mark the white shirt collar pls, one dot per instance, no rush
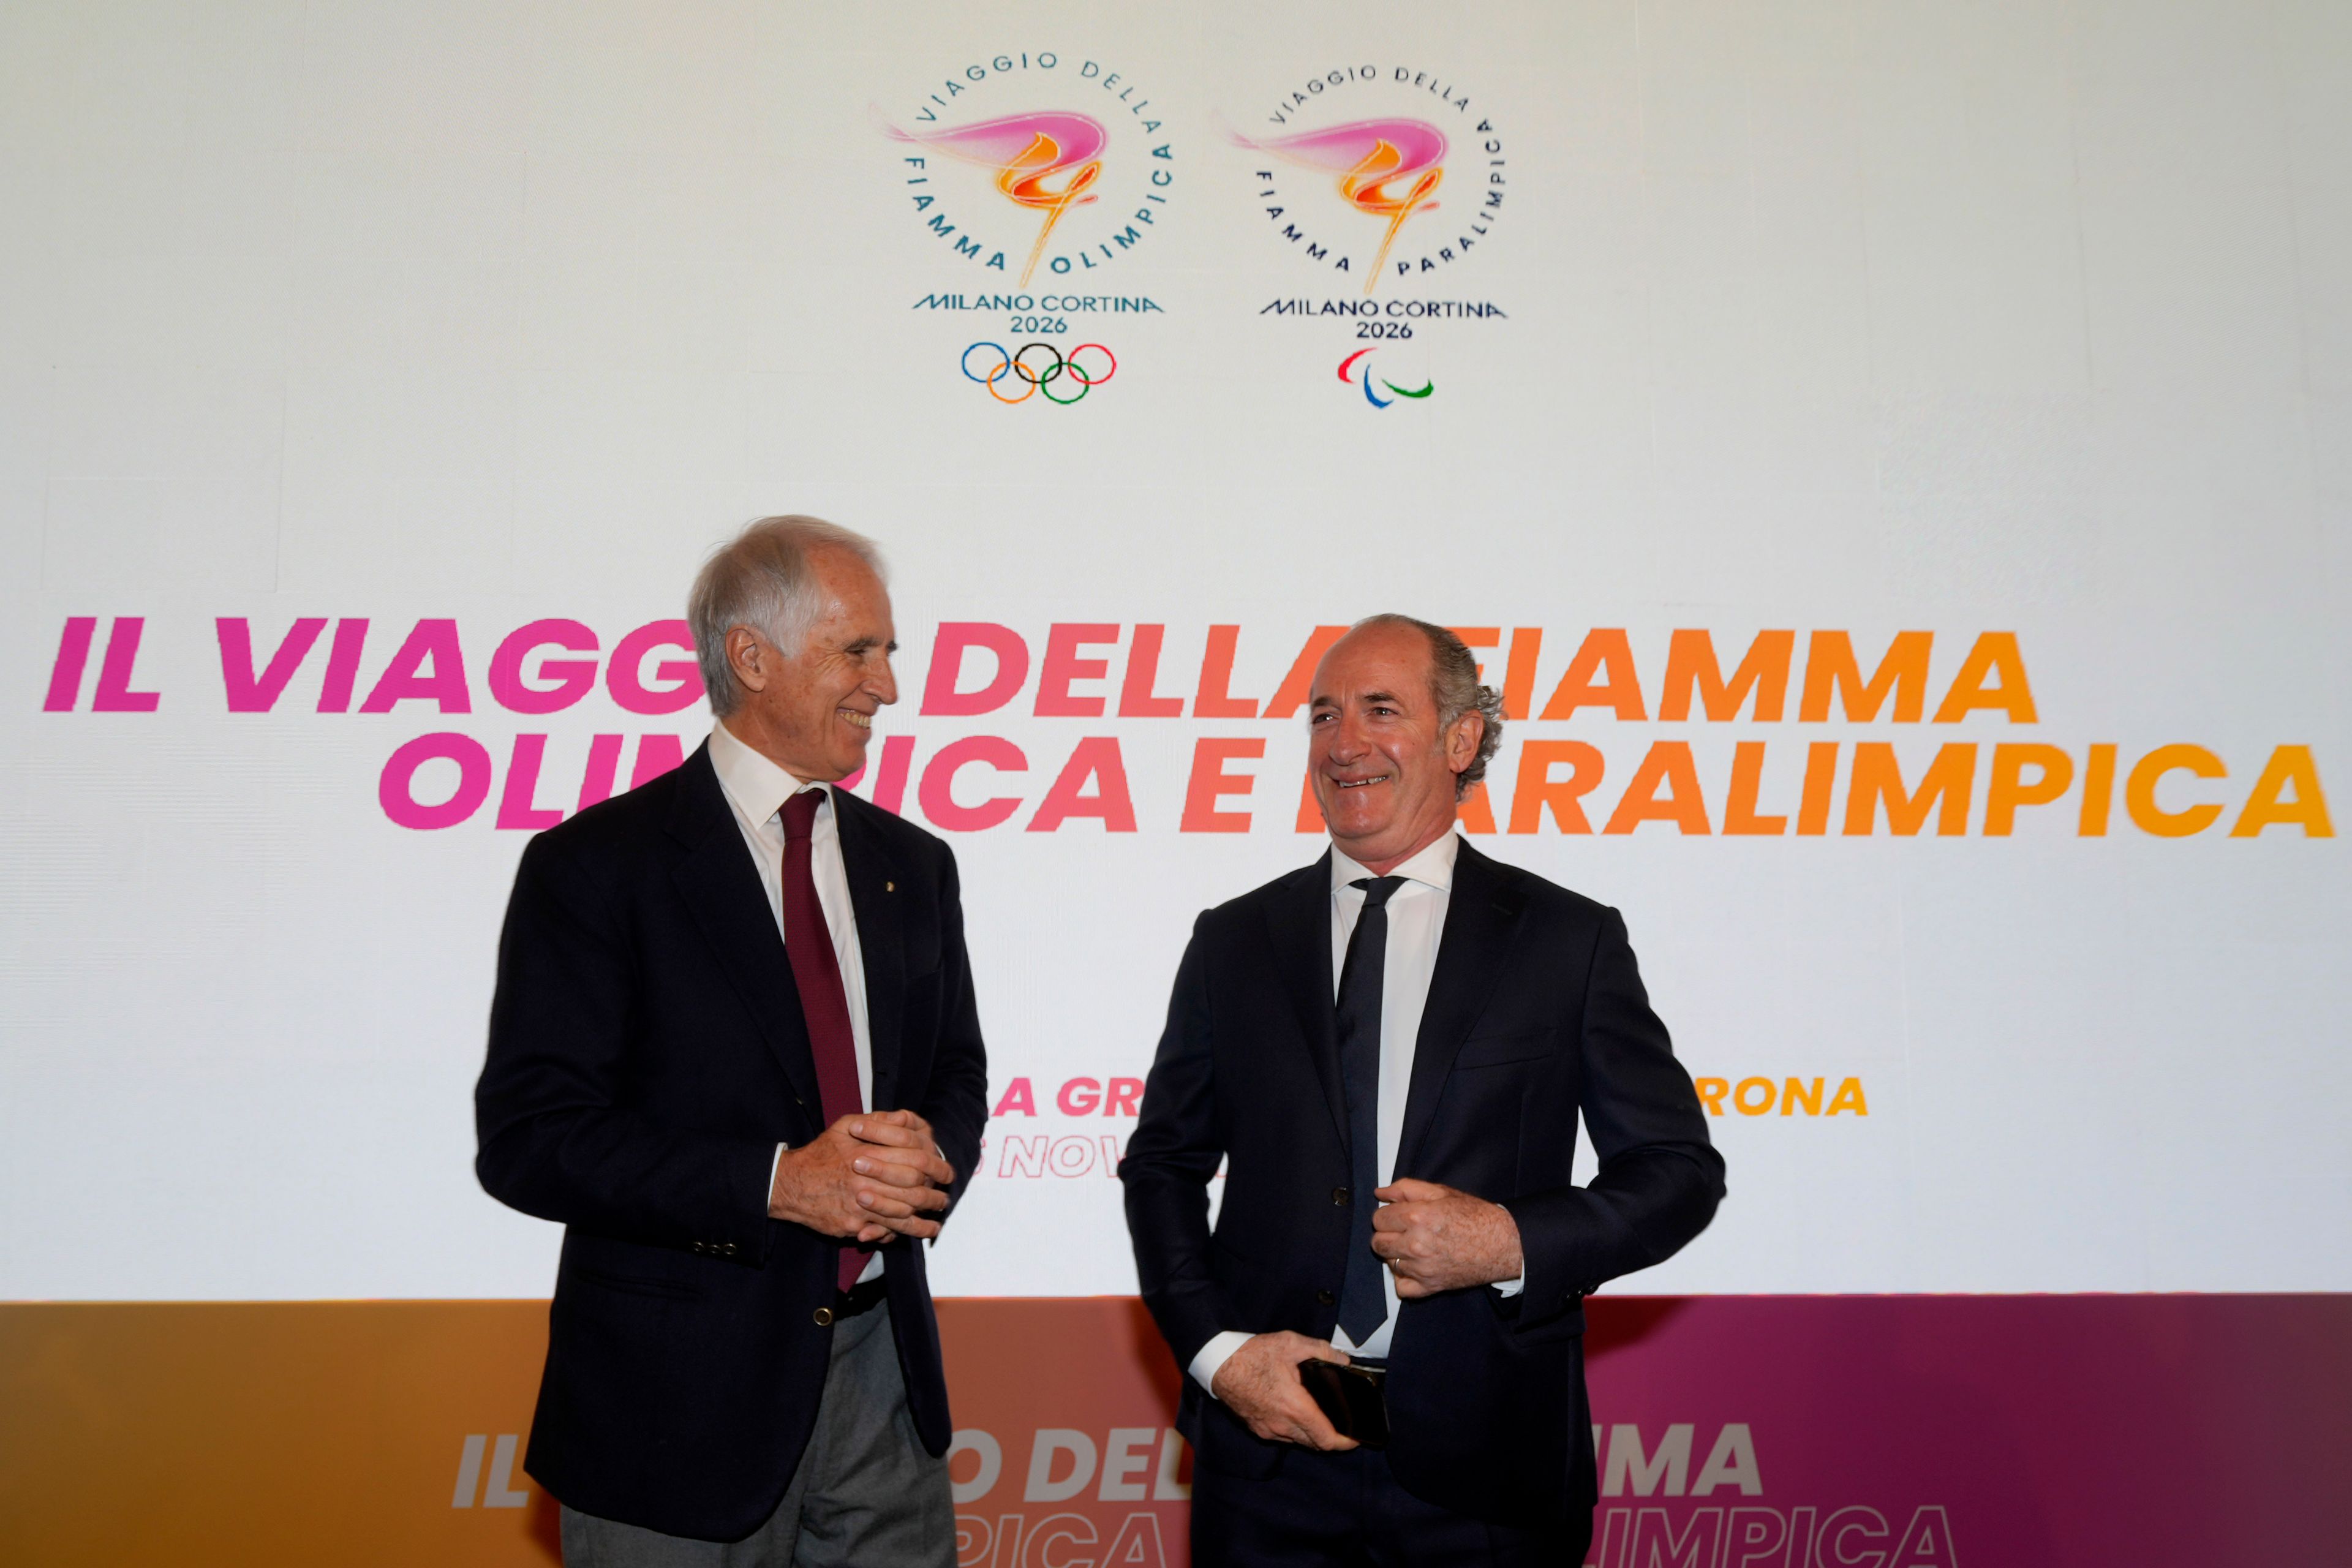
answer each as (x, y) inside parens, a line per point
(754, 785)
(1432, 866)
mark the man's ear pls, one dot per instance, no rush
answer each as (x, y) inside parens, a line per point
(748, 656)
(1462, 740)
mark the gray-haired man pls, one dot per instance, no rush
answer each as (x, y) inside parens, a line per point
(734, 1051)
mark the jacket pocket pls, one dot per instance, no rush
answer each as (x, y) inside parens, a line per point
(637, 1285)
(1502, 1051)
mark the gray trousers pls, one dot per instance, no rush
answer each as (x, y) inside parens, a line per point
(866, 1493)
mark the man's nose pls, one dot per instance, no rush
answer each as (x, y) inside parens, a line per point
(884, 686)
(1347, 740)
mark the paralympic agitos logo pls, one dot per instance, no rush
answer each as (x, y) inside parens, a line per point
(1035, 163)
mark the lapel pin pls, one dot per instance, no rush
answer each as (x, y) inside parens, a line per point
(889, 887)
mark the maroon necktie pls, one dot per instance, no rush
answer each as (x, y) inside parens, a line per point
(808, 942)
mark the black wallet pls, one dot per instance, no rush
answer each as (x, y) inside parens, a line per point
(1354, 1399)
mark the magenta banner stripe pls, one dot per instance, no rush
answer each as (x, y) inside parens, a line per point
(1986, 1430)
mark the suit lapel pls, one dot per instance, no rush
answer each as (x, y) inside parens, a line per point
(1299, 922)
(713, 873)
(1482, 918)
(881, 944)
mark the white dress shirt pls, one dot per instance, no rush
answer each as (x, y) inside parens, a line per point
(756, 791)
(1416, 924)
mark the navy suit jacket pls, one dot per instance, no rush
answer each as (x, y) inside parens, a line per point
(1535, 1013)
(646, 1054)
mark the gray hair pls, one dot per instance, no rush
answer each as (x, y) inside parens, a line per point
(763, 578)
(1454, 686)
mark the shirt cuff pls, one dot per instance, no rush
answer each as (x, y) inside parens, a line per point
(1215, 1354)
(772, 1166)
(1512, 1286)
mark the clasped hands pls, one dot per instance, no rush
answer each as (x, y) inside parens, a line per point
(867, 1178)
(1433, 1238)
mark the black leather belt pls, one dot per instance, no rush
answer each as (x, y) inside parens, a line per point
(862, 1296)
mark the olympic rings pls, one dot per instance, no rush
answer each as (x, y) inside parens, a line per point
(1040, 377)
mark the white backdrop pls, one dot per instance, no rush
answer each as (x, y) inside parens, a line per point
(1868, 318)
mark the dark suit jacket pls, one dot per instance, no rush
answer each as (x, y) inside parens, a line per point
(1535, 1012)
(646, 1054)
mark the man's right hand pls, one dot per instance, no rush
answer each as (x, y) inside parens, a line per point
(1259, 1383)
(865, 1178)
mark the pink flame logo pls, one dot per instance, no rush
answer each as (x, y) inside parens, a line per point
(1025, 152)
(1371, 158)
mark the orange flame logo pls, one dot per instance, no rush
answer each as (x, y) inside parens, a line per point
(1027, 152)
(1372, 157)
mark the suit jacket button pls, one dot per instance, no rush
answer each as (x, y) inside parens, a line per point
(824, 1317)
(1324, 1298)
(1340, 1196)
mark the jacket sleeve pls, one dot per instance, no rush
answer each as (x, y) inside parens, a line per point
(1660, 1178)
(1178, 1143)
(553, 1139)
(955, 1101)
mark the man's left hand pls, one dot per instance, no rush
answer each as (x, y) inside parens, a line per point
(900, 1157)
(1437, 1238)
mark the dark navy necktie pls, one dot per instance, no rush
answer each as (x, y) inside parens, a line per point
(1363, 1300)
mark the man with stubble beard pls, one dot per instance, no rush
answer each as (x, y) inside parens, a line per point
(1388, 1051)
